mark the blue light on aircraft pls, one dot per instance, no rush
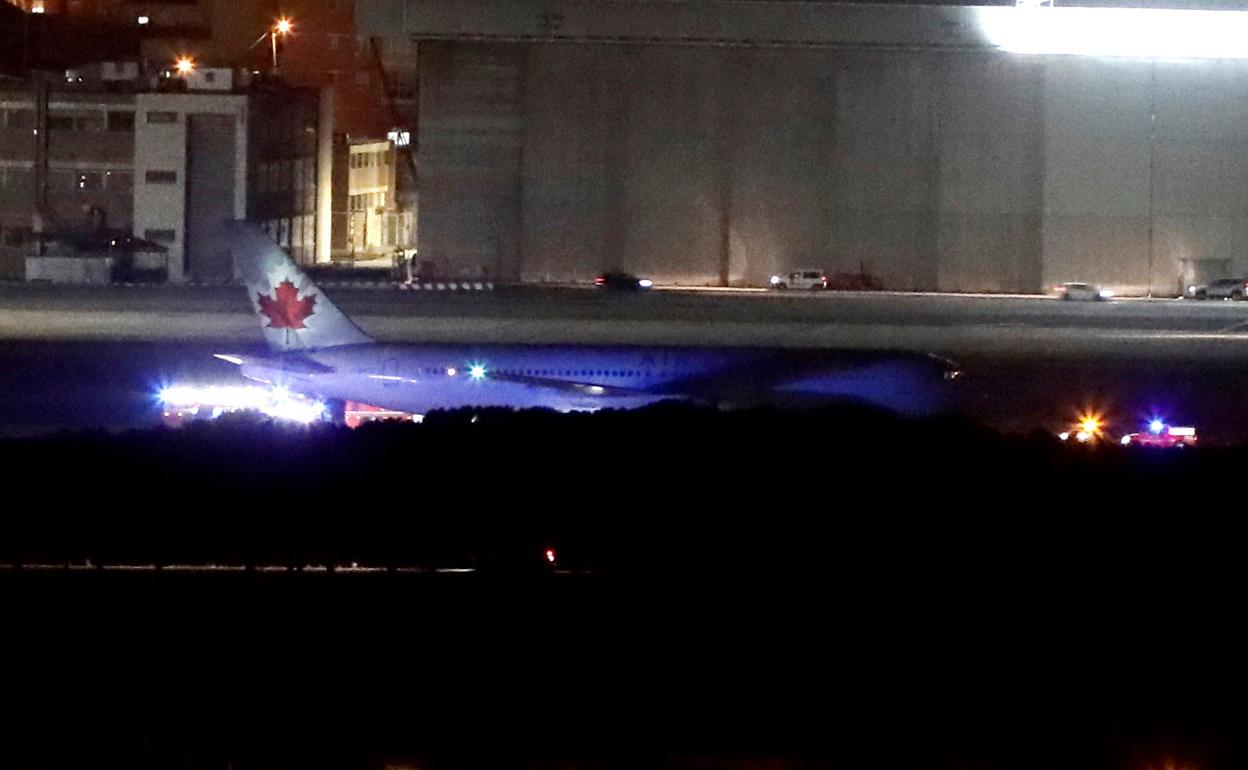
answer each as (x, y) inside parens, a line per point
(476, 372)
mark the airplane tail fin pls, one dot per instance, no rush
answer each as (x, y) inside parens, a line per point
(294, 314)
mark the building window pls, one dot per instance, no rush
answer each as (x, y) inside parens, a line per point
(93, 121)
(160, 236)
(161, 177)
(21, 119)
(120, 121)
(162, 117)
(60, 122)
(119, 182)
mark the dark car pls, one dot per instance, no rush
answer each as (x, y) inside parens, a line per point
(1223, 288)
(859, 281)
(622, 282)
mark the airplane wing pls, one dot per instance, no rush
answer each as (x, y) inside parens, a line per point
(295, 364)
(580, 388)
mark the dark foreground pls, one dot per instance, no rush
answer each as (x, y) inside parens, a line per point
(841, 590)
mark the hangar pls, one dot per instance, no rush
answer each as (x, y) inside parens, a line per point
(950, 148)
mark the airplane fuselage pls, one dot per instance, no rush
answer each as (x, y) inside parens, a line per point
(421, 378)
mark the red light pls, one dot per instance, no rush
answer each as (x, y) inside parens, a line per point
(550, 555)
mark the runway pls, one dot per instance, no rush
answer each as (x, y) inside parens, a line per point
(84, 357)
(957, 325)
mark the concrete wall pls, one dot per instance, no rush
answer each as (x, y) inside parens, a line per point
(967, 170)
(211, 183)
(162, 146)
(471, 132)
(668, 160)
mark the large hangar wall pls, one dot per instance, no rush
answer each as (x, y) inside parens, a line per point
(967, 170)
(1147, 172)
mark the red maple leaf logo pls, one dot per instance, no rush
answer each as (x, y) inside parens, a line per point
(285, 310)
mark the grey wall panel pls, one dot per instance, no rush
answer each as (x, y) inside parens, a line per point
(898, 247)
(1201, 178)
(885, 209)
(1096, 175)
(989, 252)
(1096, 97)
(1202, 100)
(1109, 250)
(574, 170)
(1178, 239)
(1098, 180)
(209, 194)
(991, 171)
(470, 156)
(782, 161)
(935, 170)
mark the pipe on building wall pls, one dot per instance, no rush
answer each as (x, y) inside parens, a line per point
(40, 87)
(325, 175)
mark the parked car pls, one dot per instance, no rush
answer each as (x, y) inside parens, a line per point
(1223, 288)
(1084, 292)
(853, 282)
(806, 278)
(622, 282)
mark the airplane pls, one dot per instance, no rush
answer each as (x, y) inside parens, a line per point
(317, 351)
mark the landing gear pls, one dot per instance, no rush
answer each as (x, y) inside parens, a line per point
(336, 411)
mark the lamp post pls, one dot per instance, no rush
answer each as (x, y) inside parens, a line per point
(283, 28)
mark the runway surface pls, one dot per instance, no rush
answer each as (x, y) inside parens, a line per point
(81, 357)
(951, 324)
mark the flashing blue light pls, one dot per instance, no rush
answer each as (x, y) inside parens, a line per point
(1156, 426)
(476, 372)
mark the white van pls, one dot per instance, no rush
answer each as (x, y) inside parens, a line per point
(801, 279)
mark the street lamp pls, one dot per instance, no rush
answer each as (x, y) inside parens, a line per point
(283, 28)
